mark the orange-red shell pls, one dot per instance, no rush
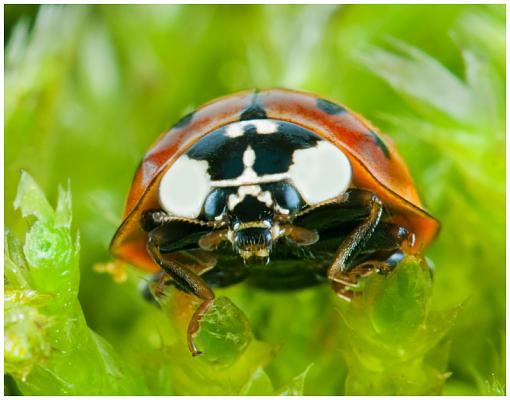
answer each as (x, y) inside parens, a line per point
(388, 177)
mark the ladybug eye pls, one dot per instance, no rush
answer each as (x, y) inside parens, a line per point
(286, 196)
(184, 187)
(215, 203)
(320, 173)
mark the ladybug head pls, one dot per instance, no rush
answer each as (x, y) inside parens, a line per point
(250, 230)
(248, 214)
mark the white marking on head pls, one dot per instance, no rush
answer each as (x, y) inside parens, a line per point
(243, 191)
(266, 198)
(281, 210)
(184, 187)
(249, 157)
(262, 127)
(320, 173)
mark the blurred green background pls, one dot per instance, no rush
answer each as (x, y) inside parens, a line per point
(89, 88)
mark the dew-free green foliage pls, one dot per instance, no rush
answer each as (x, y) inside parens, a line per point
(48, 347)
(395, 343)
(89, 88)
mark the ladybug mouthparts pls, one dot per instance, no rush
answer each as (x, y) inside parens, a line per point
(253, 243)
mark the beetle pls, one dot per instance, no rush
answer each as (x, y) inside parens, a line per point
(281, 188)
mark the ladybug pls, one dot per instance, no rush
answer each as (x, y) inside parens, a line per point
(281, 188)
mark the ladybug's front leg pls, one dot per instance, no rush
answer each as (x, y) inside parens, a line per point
(190, 281)
(342, 273)
(186, 278)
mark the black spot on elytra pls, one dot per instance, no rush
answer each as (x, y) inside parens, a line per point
(381, 144)
(254, 110)
(184, 121)
(329, 107)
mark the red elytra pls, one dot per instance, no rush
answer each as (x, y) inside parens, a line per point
(385, 175)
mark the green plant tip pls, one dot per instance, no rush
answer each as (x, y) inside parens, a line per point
(224, 333)
(48, 251)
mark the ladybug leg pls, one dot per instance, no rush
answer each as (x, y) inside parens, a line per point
(163, 279)
(343, 291)
(211, 241)
(151, 293)
(346, 282)
(300, 236)
(381, 263)
(341, 267)
(189, 280)
(154, 218)
(368, 245)
(194, 324)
